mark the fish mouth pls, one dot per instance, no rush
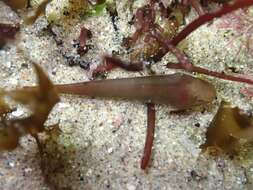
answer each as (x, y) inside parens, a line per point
(203, 92)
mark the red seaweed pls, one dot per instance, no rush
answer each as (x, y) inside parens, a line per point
(149, 137)
(145, 18)
(111, 63)
(211, 73)
(201, 20)
(185, 64)
(84, 35)
(239, 4)
(8, 31)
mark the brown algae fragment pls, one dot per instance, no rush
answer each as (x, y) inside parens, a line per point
(37, 12)
(227, 128)
(17, 4)
(40, 101)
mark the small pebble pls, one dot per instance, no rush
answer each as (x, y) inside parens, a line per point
(18, 113)
(110, 150)
(11, 164)
(131, 187)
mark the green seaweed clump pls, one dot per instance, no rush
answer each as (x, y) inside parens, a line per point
(96, 9)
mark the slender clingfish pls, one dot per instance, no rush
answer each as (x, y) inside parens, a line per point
(178, 90)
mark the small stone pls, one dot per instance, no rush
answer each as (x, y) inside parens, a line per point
(27, 170)
(110, 150)
(131, 187)
(8, 64)
(63, 105)
(18, 113)
(89, 172)
(11, 164)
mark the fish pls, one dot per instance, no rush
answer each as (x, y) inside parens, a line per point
(181, 91)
